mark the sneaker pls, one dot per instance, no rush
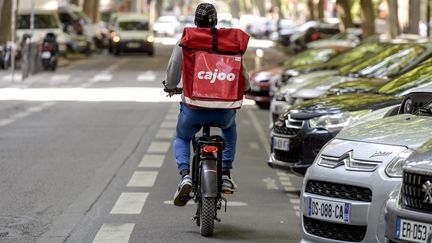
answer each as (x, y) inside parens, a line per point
(181, 196)
(228, 185)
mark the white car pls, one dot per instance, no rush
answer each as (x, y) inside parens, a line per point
(132, 33)
(345, 190)
(45, 21)
(166, 25)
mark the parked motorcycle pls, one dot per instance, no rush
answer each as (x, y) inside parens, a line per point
(49, 52)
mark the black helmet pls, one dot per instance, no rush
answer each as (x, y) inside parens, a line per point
(205, 15)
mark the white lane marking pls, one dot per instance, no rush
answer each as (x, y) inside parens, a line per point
(102, 77)
(16, 77)
(165, 134)
(286, 183)
(114, 233)
(284, 178)
(5, 122)
(172, 116)
(270, 183)
(294, 201)
(229, 203)
(290, 189)
(60, 78)
(20, 115)
(261, 134)
(298, 214)
(152, 161)
(159, 147)
(290, 195)
(83, 93)
(143, 179)
(148, 76)
(296, 207)
(254, 146)
(169, 124)
(130, 203)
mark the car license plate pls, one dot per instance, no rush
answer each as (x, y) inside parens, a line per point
(329, 210)
(281, 143)
(46, 54)
(412, 230)
(133, 45)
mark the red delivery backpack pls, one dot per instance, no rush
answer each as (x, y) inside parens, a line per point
(212, 67)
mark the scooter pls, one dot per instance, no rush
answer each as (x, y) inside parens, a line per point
(49, 52)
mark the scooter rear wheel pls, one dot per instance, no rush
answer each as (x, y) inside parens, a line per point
(207, 217)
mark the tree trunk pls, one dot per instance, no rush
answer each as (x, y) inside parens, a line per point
(311, 10)
(96, 12)
(320, 9)
(5, 24)
(344, 11)
(88, 8)
(367, 16)
(412, 25)
(76, 2)
(235, 7)
(260, 5)
(393, 27)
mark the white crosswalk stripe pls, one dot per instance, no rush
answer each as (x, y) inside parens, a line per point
(102, 77)
(143, 179)
(148, 76)
(114, 233)
(130, 203)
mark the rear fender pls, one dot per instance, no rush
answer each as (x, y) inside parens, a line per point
(209, 178)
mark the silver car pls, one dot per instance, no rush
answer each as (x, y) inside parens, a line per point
(409, 208)
(345, 190)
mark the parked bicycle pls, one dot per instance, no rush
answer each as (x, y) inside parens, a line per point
(206, 176)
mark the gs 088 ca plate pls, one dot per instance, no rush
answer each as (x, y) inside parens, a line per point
(329, 210)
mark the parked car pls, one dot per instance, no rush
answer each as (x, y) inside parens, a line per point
(350, 38)
(132, 34)
(73, 18)
(166, 25)
(345, 190)
(260, 83)
(390, 63)
(409, 207)
(300, 133)
(45, 21)
(311, 31)
(316, 28)
(297, 77)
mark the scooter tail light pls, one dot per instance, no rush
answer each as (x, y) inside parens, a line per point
(210, 149)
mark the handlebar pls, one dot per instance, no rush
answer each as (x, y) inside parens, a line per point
(171, 92)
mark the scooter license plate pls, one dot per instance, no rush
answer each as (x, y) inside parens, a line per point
(46, 54)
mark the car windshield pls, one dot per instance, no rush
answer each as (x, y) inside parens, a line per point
(355, 54)
(309, 57)
(418, 76)
(384, 59)
(41, 21)
(134, 25)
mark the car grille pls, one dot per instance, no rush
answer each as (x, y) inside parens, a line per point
(334, 231)
(341, 191)
(287, 156)
(286, 130)
(416, 191)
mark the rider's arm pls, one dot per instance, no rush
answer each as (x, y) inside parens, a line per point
(174, 69)
(245, 74)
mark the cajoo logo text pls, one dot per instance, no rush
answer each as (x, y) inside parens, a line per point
(216, 75)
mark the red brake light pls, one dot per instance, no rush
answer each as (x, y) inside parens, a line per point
(210, 149)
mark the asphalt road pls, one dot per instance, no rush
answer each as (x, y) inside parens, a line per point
(86, 156)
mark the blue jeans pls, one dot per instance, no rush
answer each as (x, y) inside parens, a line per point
(190, 122)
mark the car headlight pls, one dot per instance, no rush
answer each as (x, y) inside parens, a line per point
(150, 38)
(116, 39)
(394, 168)
(331, 123)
